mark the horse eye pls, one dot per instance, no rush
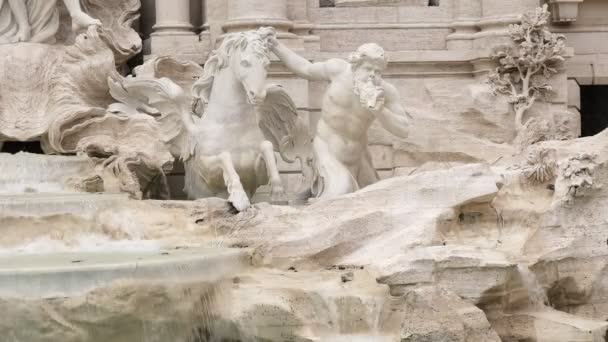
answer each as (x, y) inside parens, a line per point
(245, 63)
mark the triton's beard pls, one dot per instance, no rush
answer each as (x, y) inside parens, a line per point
(368, 93)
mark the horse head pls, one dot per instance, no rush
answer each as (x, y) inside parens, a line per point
(250, 62)
(246, 56)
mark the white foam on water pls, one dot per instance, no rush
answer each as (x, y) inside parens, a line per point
(38, 204)
(82, 243)
(39, 167)
(27, 188)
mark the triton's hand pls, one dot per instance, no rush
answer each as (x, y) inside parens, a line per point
(378, 110)
(379, 107)
(374, 101)
(273, 42)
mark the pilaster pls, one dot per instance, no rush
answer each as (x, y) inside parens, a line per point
(252, 14)
(173, 33)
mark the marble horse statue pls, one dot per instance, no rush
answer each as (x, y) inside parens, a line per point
(228, 134)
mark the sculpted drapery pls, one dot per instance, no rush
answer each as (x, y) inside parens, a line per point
(37, 21)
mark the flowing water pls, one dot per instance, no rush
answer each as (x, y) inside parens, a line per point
(35, 173)
(537, 297)
(47, 204)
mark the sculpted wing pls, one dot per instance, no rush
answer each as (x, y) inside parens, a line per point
(162, 99)
(279, 121)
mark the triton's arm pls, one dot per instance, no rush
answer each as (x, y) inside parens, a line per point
(320, 71)
(392, 116)
(73, 6)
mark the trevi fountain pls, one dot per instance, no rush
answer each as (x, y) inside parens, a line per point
(303, 170)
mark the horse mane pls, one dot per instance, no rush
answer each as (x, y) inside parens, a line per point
(220, 58)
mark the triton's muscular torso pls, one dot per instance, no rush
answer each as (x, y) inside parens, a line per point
(344, 121)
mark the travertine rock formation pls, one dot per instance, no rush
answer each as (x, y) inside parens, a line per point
(486, 251)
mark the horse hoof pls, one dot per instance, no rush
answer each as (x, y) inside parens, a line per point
(240, 201)
(278, 197)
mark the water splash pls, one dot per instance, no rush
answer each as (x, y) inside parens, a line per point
(89, 243)
(37, 205)
(30, 187)
(537, 298)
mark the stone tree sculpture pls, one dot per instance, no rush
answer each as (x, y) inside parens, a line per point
(525, 68)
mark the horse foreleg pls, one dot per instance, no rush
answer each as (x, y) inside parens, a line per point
(277, 192)
(236, 194)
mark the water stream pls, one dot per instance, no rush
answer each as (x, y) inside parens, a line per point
(35, 173)
(537, 297)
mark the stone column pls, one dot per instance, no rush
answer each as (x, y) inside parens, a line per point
(495, 18)
(497, 15)
(205, 26)
(173, 18)
(466, 15)
(174, 33)
(205, 33)
(297, 11)
(252, 14)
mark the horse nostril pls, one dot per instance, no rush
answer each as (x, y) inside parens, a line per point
(251, 93)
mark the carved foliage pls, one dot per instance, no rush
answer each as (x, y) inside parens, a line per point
(525, 68)
(576, 175)
(540, 165)
(534, 131)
